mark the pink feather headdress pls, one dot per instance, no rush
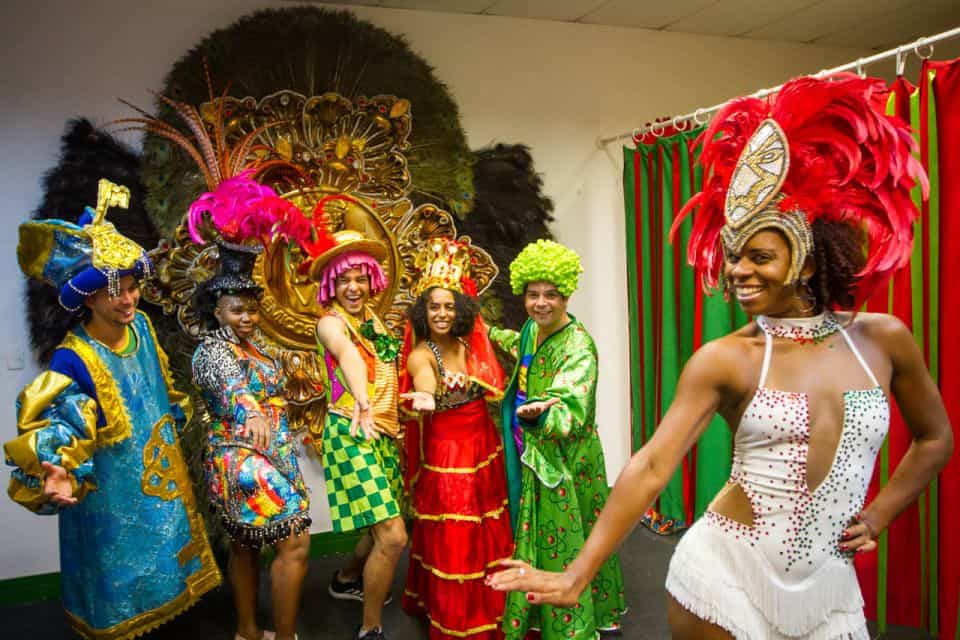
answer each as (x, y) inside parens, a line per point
(844, 161)
(240, 209)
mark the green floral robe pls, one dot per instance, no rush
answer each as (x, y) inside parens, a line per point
(557, 479)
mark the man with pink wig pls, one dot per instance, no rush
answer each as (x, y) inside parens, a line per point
(362, 466)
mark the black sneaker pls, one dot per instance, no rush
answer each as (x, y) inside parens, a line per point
(372, 634)
(352, 590)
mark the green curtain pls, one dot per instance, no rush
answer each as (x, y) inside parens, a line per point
(670, 316)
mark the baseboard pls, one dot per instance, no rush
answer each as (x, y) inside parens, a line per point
(332, 542)
(46, 586)
(35, 588)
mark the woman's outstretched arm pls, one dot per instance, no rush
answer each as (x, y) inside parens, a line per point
(703, 386)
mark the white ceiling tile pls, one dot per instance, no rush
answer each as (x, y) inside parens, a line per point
(866, 24)
(566, 10)
(647, 14)
(448, 6)
(888, 30)
(735, 17)
(813, 21)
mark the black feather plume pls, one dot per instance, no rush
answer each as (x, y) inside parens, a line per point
(509, 212)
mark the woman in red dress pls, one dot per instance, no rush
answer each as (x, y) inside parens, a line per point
(455, 470)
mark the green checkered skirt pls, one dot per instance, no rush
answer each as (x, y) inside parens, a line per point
(364, 483)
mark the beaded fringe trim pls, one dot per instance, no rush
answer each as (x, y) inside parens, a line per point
(256, 536)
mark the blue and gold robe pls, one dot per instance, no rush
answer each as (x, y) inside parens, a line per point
(133, 550)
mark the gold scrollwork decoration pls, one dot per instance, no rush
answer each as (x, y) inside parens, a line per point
(338, 146)
(328, 144)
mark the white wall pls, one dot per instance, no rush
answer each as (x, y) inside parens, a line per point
(553, 86)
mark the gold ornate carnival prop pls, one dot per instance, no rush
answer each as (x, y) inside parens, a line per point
(307, 148)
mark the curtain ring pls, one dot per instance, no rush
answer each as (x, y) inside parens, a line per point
(697, 115)
(922, 42)
(901, 61)
(636, 134)
(657, 129)
(860, 71)
(676, 123)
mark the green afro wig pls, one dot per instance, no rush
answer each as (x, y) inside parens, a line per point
(546, 261)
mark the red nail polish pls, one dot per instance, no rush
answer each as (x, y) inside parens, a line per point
(843, 547)
(529, 597)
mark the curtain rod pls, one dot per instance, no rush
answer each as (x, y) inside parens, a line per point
(701, 116)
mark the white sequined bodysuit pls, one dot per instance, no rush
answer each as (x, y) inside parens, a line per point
(784, 575)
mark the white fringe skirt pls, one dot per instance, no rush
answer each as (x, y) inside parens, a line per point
(728, 582)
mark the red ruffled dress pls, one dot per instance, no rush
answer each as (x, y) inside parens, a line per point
(456, 475)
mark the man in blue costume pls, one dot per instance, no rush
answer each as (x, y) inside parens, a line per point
(98, 437)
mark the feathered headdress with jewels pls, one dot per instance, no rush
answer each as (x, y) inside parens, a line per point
(80, 259)
(819, 149)
(236, 209)
(238, 213)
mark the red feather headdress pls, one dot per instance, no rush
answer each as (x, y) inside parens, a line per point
(845, 161)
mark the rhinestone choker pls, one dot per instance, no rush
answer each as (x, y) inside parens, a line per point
(802, 330)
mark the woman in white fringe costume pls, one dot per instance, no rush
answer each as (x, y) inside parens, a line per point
(806, 211)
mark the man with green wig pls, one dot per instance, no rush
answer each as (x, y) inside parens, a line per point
(556, 473)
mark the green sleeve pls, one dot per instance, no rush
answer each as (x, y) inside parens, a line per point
(506, 339)
(575, 384)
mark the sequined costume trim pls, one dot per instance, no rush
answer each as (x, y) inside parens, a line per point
(256, 536)
(179, 398)
(496, 513)
(456, 576)
(118, 424)
(450, 632)
(802, 330)
(454, 389)
(490, 459)
(148, 621)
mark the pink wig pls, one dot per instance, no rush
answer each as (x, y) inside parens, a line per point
(327, 284)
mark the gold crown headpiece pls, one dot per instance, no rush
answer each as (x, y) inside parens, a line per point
(444, 262)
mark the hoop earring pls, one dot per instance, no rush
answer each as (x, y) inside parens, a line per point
(805, 295)
(726, 289)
